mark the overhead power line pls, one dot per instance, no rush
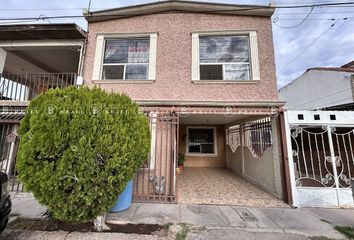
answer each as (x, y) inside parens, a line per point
(314, 13)
(249, 8)
(275, 20)
(305, 49)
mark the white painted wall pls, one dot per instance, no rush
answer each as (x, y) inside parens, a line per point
(317, 89)
(16, 64)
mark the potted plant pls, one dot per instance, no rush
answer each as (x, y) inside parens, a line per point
(181, 159)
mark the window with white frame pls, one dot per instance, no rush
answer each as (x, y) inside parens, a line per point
(201, 140)
(125, 57)
(229, 56)
(224, 58)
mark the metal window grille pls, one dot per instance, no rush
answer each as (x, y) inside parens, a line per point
(258, 136)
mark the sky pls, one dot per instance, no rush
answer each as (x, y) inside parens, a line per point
(322, 39)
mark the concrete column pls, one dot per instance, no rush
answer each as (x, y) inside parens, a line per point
(242, 142)
(2, 59)
(277, 158)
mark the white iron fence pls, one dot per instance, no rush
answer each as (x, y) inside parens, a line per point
(321, 158)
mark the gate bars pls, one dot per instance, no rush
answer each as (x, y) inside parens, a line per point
(156, 180)
(9, 142)
(321, 157)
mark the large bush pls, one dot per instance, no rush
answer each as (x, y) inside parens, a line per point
(79, 148)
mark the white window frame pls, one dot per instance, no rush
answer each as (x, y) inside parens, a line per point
(99, 55)
(253, 47)
(202, 154)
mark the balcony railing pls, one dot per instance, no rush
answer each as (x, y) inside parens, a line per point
(26, 86)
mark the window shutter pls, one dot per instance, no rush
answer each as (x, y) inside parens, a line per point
(254, 56)
(195, 57)
(152, 56)
(96, 72)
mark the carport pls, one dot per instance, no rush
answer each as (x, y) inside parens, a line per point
(221, 186)
(231, 159)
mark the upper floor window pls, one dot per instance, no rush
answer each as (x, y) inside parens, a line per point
(225, 56)
(125, 57)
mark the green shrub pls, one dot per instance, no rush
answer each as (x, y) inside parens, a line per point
(79, 148)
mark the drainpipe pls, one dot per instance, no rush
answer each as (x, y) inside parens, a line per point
(80, 77)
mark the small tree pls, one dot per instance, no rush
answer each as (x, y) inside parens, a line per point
(79, 148)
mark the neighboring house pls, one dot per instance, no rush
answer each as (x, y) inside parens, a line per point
(33, 58)
(330, 88)
(205, 75)
(320, 137)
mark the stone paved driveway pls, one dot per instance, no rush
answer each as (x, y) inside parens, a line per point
(221, 186)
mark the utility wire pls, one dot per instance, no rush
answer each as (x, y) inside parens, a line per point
(305, 49)
(249, 8)
(314, 13)
(279, 5)
(276, 19)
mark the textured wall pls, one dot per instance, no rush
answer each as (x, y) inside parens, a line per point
(264, 171)
(317, 89)
(234, 160)
(204, 161)
(174, 52)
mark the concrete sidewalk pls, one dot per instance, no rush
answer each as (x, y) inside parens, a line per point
(220, 221)
(305, 222)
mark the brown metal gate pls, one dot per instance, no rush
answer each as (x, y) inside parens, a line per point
(156, 180)
(9, 142)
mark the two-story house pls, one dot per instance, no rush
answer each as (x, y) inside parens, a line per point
(205, 75)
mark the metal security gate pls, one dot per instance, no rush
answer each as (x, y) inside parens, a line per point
(321, 158)
(156, 180)
(9, 142)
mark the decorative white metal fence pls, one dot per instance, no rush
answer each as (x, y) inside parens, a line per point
(321, 158)
(257, 136)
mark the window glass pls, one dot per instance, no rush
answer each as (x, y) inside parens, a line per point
(211, 72)
(237, 71)
(201, 140)
(126, 59)
(127, 51)
(113, 72)
(224, 58)
(136, 71)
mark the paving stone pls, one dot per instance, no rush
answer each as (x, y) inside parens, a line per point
(227, 234)
(25, 205)
(202, 215)
(108, 236)
(295, 219)
(124, 216)
(245, 214)
(263, 220)
(342, 217)
(232, 216)
(32, 235)
(152, 213)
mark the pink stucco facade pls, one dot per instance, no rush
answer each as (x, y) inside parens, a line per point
(174, 57)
